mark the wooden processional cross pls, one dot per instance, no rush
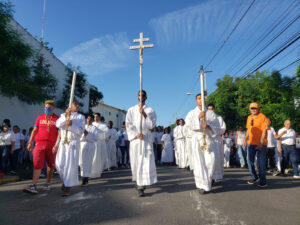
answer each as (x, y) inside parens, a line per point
(141, 40)
(201, 72)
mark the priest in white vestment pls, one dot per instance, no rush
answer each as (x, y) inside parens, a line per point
(87, 149)
(67, 157)
(112, 137)
(188, 146)
(174, 131)
(100, 157)
(141, 148)
(219, 150)
(167, 155)
(180, 145)
(204, 160)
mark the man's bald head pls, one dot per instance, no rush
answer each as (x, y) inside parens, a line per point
(287, 124)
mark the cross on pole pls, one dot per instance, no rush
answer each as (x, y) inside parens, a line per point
(141, 47)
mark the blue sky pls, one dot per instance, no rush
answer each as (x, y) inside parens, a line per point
(96, 35)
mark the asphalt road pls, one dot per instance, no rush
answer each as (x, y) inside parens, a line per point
(173, 200)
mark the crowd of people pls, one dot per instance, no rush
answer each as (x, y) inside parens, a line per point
(75, 145)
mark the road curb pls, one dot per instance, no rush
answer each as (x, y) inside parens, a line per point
(10, 179)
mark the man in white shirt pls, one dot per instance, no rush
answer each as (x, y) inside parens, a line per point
(141, 147)
(19, 147)
(123, 143)
(288, 141)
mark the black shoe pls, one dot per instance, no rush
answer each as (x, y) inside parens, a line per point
(212, 182)
(201, 191)
(262, 185)
(251, 181)
(84, 182)
(141, 192)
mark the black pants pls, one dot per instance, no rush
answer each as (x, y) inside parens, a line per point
(271, 163)
(158, 149)
(124, 150)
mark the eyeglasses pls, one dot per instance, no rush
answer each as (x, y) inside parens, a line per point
(252, 122)
(253, 108)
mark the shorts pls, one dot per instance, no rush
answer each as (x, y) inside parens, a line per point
(43, 151)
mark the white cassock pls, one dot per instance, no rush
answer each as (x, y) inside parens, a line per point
(142, 162)
(100, 157)
(204, 161)
(175, 145)
(67, 157)
(227, 147)
(180, 147)
(188, 146)
(219, 150)
(112, 137)
(87, 150)
(167, 152)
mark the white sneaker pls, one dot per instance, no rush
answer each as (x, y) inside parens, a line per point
(46, 187)
(296, 176)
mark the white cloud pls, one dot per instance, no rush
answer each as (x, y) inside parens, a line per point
(100, 55)
(204, 22)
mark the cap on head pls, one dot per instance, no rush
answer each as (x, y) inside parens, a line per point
(51, 102)
(253, 105)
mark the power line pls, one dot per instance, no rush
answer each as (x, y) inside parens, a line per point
(235, 27)
(226, 28)
(258, 14)
(297, 60)
(264, 35)
(283, 57)
(270, 42)
(288, 43)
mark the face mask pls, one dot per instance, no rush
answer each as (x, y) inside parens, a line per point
(48, 111)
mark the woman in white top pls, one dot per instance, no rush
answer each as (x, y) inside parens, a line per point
(7, 146)
(239, 139)
(227, 148)
(288, 141)
(167, 144)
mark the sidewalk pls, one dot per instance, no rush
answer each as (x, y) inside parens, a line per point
(8, 178)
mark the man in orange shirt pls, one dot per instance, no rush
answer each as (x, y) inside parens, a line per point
(257, 126)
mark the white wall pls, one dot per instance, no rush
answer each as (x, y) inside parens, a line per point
(23, 114)
(20, 113)
(57, 68)
(117, 116)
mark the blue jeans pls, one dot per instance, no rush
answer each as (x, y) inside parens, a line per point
(241, 154)
(289, 154)
(261, 161)
(5, 154)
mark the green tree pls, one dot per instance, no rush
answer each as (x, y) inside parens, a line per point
(43, 78)
(277, 96)
(95, 97)
(31, 83)
(80, 87)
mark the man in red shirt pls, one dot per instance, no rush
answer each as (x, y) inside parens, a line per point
(45, 134)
